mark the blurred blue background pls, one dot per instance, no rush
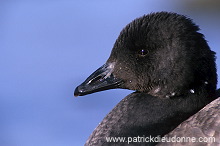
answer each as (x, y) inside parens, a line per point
(47, 48)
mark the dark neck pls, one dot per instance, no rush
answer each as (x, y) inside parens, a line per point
(148, 115)
(140, 114)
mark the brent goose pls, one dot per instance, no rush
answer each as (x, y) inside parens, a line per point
(169, 65)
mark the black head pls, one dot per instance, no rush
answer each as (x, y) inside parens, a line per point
(162, 54)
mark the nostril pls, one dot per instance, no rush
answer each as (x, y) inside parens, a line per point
(96, 79)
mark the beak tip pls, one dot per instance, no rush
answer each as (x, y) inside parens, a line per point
(76, 92)
(76, 95)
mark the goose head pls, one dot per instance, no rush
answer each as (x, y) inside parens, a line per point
(161, 54)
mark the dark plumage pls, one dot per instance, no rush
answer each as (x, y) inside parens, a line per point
(204, 125)
(164, 58)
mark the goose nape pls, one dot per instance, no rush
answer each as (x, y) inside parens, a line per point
(164, 58)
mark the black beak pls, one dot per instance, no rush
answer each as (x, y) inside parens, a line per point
(101, 79)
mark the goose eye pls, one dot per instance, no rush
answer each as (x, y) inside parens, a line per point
(144, 52)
